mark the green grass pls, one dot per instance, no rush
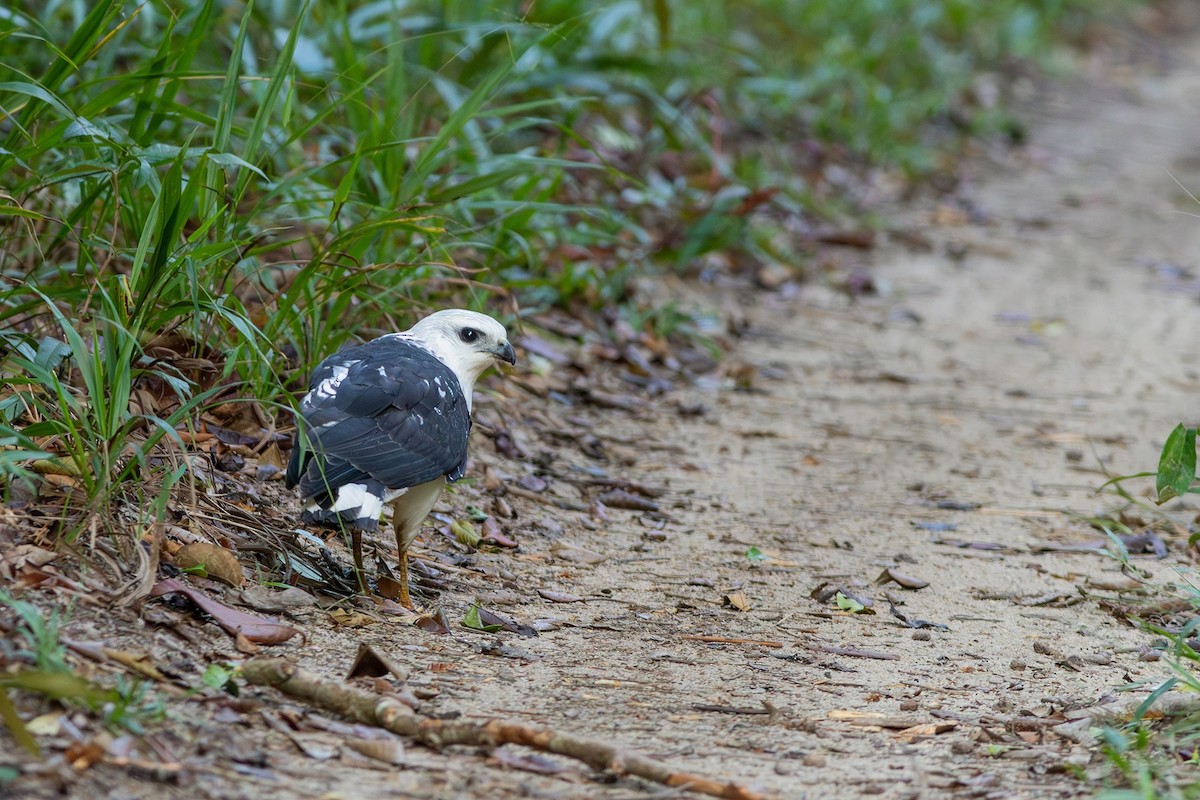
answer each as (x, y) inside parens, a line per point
(38, 665)
(201, 200)
(1154, 757)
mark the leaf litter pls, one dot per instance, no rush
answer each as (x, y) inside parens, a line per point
(245, 523)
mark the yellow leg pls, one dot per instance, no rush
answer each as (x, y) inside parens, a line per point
(405, 600)
(402, 552)
(360, 575)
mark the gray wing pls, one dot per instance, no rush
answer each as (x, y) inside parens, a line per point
(387, 410)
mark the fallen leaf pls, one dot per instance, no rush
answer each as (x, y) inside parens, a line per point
(907, 581)
(474, 621)
(867, 718)
(373, 664)
(138, 662)
(46, 724)
(531, 762)
(466, 533)
(538, 346)
(257, 629)
(351, 619)
(244, 645)
(389, 751)
(754, 554)
(578, 555)
(559, 597)
(264, 598)
(82, 755)
(493, 535)
(736, 600)
(389, 587)
(619, 498)
(210, 561)
(433, 623)
(852, 603)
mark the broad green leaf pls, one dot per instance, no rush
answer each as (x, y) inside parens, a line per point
(59, 686)
(230, 160)
(466, 533)
(216, 676)
(848, 603)
(472, 621)
(16, 211)
(1177, 464)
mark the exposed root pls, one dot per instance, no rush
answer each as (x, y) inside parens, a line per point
(398, 718)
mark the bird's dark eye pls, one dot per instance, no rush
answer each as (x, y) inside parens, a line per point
(468, 335)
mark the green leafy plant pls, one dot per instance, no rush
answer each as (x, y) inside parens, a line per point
(202, 201)
(1147, 756)
(39, 633)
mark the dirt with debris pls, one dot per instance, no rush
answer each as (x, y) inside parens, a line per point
(931, 449)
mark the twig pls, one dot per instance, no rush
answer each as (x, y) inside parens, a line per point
(550, 500)
(398, 718)
(854, 652)
(720, 709)
(730, 640)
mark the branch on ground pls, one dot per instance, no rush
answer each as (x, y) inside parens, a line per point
(396, 717)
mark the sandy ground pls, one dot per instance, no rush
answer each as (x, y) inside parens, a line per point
(973, 400)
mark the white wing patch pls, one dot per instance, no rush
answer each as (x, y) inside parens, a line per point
(355, 496)
(328, 387)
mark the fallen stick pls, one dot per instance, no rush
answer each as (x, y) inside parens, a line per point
(549, 500)
(854, 652)
(729, 640)
(396, 717)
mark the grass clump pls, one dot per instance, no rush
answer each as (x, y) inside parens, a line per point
(201, 200)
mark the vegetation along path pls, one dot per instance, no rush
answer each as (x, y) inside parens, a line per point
(866, 564)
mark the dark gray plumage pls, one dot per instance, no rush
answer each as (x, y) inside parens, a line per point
(387, 422)
(388, 414)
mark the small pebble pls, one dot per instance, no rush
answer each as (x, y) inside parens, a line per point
(813, 760)
(908, 704)
(1016, 664)
(921, 636)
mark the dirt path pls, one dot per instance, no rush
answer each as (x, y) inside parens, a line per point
(988, 377)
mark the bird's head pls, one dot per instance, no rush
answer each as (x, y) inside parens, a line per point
(467, 341)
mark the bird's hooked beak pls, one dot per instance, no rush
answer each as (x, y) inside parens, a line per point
(504, 351)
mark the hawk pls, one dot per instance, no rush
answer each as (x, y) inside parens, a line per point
(387, 422)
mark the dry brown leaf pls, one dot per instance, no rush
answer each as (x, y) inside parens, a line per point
(736, 600)
(906, 581)
(871, 719)
(211, 561)
(351, 619)
(389, 587)
(373, 664)
(272, 456)
(61, 481)
(244, 645)
(577, 555)
(925, 730)
(559, 597)
(389, 751)
(138, 662)
(254, 628)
